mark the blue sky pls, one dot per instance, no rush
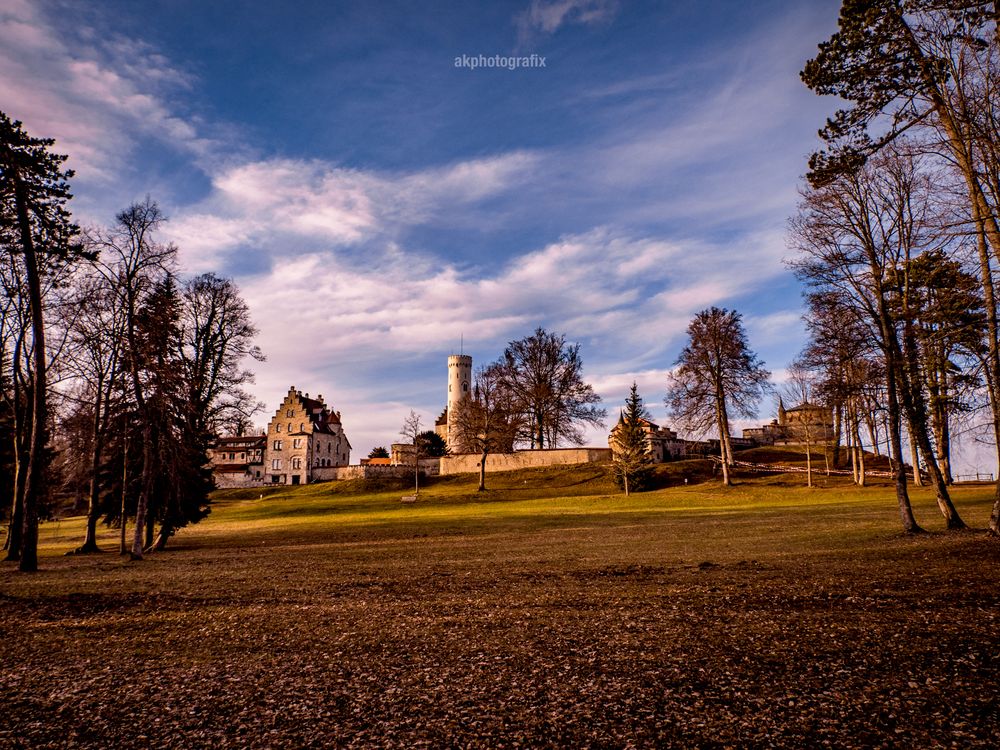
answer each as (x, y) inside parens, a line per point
(377, 204)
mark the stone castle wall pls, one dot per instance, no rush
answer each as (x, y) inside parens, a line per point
(469, 462)
(429, 467)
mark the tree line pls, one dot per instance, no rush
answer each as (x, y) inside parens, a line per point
(116, 371)
(897, 236)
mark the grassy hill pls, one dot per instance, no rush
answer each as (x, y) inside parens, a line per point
(549, 610)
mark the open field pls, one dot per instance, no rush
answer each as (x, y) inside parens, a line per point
(550, 611)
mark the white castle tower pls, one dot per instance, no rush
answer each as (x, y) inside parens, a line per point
(459, 386)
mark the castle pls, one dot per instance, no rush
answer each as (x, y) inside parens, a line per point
(305, 442)
(805, 423)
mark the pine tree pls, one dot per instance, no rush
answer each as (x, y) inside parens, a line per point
(33, 196)
(632, 460)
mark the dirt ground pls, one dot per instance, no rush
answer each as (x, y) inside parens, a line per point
(640, 623)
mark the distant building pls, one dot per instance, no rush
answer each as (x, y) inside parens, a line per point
(238, 461)
(806, 422)
(303, 435)
(663, 443)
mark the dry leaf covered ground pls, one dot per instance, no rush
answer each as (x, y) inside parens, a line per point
(551, 612)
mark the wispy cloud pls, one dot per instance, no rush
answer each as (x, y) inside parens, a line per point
(98, 95)
(300, 206)
(544, 17)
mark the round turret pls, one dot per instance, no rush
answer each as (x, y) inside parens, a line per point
(459, 384)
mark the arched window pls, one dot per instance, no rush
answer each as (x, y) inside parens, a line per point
(465, 387)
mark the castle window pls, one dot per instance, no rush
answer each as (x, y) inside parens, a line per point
(277, 427)
(275, 463)
(302, 426)
(297, 443)
(296, 463)
(465, 387)
(277, 445)
(290, 413)
(289, 426)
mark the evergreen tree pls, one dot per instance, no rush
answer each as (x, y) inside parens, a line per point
(632, 460)
(432, 444)
(33, 195)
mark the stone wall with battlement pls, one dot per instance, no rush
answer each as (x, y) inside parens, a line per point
(469, 462)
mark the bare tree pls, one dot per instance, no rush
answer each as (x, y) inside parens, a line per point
(856, 235)
(412, 427)
(801, 387)
(489, 421)
(97, 331)
(134, 262)
(935, 67)
(544, 376)
(716, 373)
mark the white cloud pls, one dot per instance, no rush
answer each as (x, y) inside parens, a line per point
(96, 94)
(287, 206)
(547, 16)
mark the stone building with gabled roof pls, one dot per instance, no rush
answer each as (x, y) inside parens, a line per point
(303, 435)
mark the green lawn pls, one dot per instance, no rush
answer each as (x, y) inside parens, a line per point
(550, 610)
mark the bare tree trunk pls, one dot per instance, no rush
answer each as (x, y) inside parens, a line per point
(93, 507)
(13, 542)
(160, 543)
(849, 444)
(993, 361)
(482, 473)
(122, 545)
(915, 457)
(723, 423)
(145, 492)
(910, 525)
(809, 466)
(872, 428)
(916, 417)
(838, 427)
(28, 562)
